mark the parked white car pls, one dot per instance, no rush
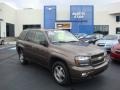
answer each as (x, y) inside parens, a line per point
(108, 41)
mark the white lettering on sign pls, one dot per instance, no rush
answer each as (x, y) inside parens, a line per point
(79, 14)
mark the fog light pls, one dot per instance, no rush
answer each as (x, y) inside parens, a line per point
(84, 74)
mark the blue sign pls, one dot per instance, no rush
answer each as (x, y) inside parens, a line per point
(82, 19)
(49, 17)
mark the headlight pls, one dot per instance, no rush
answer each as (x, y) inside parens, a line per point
(82, 60)
(105, 54)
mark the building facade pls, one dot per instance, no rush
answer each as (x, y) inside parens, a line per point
(75, 18)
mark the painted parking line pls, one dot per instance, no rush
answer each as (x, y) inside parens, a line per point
(13, 48)
(2, 48)
(6, 47)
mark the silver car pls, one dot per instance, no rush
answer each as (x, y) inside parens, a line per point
(80, 35)
(108, 41)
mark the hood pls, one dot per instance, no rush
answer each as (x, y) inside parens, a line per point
(117, 46)
(107, 42)
(88, 50)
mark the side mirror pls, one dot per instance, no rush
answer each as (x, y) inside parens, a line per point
(44, 43)
(119, 40)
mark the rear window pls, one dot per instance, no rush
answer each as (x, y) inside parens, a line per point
(23, 35)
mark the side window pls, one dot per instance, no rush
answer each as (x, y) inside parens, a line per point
(30, 36)
(39, 37)
(23, 35)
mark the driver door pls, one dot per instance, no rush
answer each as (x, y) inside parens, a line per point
(41, 51)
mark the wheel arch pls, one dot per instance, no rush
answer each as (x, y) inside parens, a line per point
(54, 59)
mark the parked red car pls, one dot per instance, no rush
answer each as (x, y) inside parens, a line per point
(115, 52)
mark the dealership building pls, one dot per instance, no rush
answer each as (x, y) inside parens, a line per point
(74, 18)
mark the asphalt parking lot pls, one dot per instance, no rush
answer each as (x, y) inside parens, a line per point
(14, 76)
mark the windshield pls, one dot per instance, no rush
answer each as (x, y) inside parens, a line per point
(61, 36)
(110, 37)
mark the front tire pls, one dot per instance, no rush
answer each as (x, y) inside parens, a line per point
(60, 73)
(22, 58)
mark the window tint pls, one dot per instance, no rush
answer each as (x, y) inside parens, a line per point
(35, 26)
(23, 35)
(101, 29)
(30, 36)
(39, 37)
(117, 18)
(118, 30)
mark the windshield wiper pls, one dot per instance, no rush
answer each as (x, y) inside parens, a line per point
(59, 42)
(73, 41)
(64, 41)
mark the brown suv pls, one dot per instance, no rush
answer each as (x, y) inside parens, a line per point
(62, 53)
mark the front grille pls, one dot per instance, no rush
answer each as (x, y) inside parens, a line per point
(97, 59)
(97, 55)
(117, 51)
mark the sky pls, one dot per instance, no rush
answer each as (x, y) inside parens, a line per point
(40, 3)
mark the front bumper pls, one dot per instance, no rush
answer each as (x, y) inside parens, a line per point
(90, 71)
(115, 56)
(106, 48)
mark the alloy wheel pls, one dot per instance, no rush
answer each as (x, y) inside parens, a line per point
(21, 58)
(59, 73)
